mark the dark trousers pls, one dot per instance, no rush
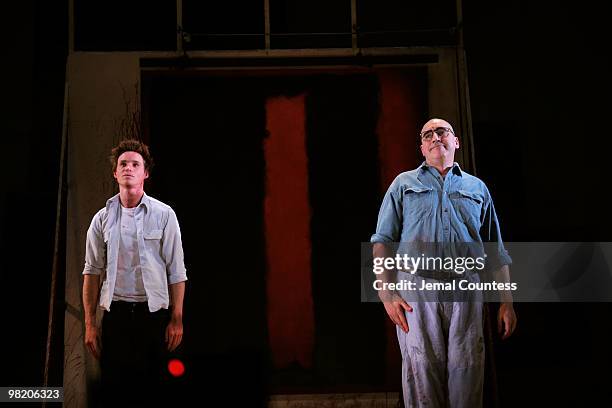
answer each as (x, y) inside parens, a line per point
(134, 355)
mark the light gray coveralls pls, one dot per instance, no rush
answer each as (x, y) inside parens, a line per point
(443, 351)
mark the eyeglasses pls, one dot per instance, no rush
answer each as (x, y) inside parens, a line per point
(442, 132)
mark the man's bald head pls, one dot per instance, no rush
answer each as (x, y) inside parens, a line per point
(436, 123)
(438, 143)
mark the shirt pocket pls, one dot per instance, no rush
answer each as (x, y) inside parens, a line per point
(469, 206)
(154, 234)
(418, 202)
(152, 240)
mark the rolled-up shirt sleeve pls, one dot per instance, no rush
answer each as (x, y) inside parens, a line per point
(389, 224)
(172, 250)
(95, 248)
(490, 233)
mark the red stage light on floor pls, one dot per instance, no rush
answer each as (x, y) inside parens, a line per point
(176, 367)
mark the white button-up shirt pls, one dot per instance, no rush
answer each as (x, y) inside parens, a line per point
(160, 249)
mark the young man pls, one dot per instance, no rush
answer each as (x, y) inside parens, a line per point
(134, 242)
(441, 206)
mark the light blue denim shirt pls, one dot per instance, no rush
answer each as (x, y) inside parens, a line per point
(421, 206)
(159, 247)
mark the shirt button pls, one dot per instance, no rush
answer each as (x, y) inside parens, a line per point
(446, 210)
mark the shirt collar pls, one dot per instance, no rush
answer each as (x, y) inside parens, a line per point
(144, 201)
(455, 169)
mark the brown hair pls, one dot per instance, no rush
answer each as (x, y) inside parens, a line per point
(131, 145)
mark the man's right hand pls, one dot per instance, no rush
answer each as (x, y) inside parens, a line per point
(92, 340)
(395, 307)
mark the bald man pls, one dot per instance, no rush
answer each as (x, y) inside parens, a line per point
(441, 342)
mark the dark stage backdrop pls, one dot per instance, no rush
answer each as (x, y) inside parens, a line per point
(276, 180)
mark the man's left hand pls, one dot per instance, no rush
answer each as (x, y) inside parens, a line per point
(506, 320)
(174, 333)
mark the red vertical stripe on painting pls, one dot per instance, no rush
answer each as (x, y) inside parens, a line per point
(287, 228)
(401, 111)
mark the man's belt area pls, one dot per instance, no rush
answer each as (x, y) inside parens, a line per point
(440, 274)
(123, 306)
